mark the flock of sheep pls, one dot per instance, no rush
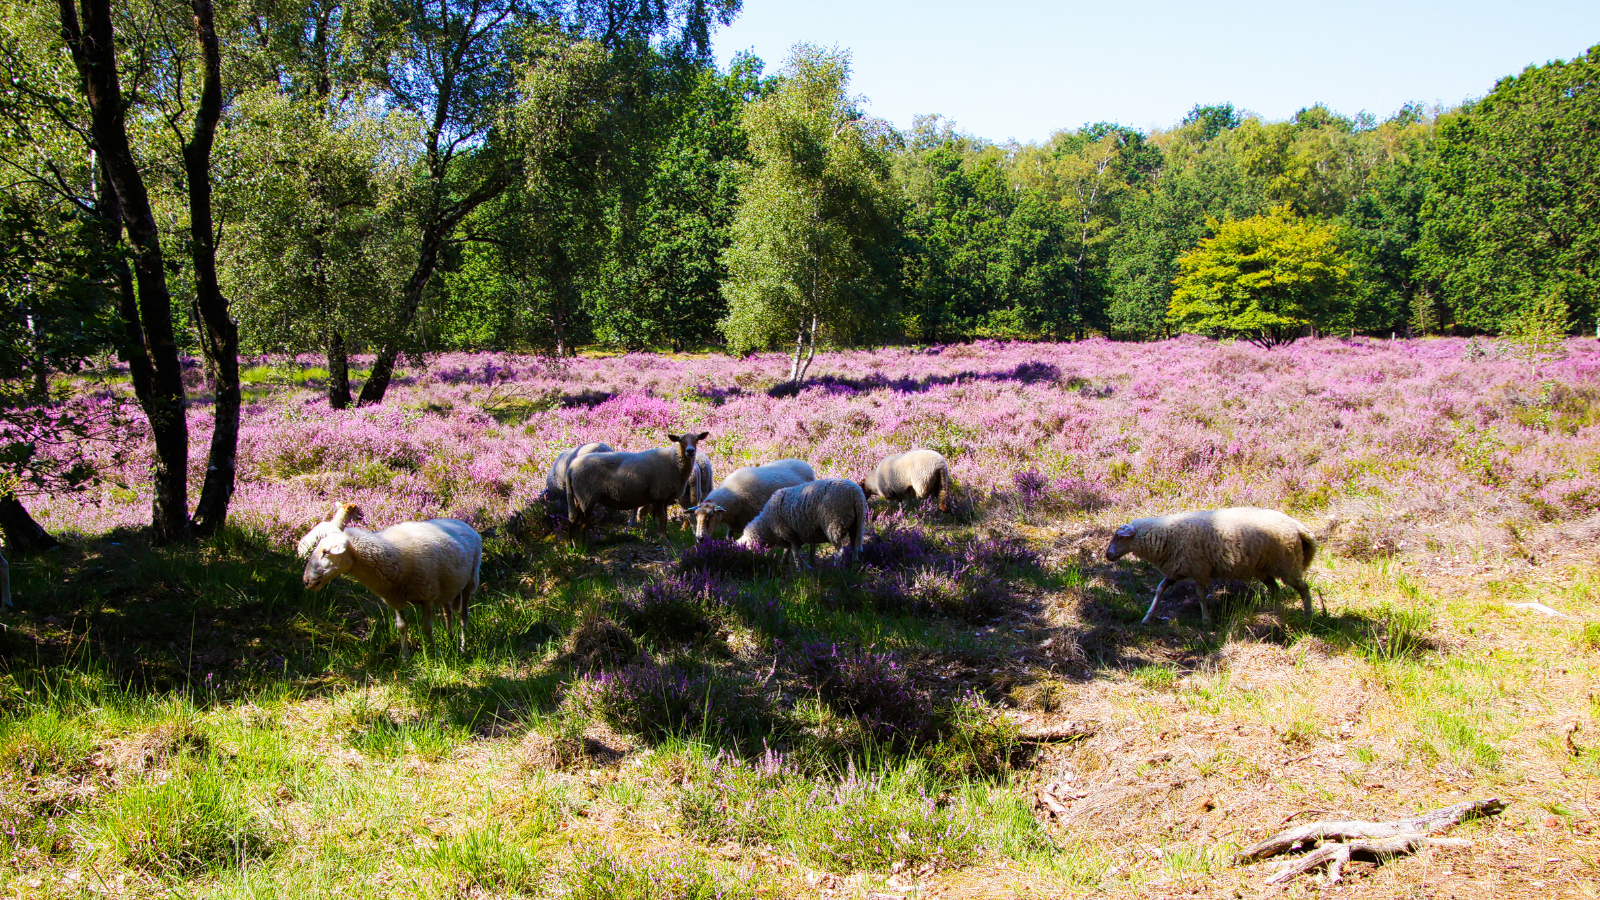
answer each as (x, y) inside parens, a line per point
(780, 504)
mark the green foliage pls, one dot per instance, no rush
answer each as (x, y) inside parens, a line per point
(1512, 215)
(1266, 279)
(814, 216)
(203, 817)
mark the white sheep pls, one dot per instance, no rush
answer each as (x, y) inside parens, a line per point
(743, 493)
(828, 509)
(620, 480)
(1243, 543)
(426, 564)
(914, 473)
(555, 483)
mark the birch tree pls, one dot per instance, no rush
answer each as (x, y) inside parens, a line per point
(810, 235)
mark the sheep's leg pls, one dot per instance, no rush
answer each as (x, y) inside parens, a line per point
(405, 637)
(1203, 588)
(448, 610)
(811, 556)
(1156, 599)
(1305, 597)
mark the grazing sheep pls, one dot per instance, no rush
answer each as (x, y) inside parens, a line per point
(652, 478)
(410, 564)
(829, 509)
(555, 483)
(914, 473)
(1243, 543)
(742, 495)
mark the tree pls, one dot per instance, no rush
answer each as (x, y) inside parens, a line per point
(815, 212)
(1511, 220)
(1197, 184)
(317, 238)
(462, 72)
(1266, 279)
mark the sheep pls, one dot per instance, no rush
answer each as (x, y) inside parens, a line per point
(828, 509)
(424, 564)
(618, 480)
(1243, 543)
(914, 473)
(742, 495)
(555, 483)
(693, 492)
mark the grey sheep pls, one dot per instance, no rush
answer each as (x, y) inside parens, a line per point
(699, 485)
(625, 481)
(1243, 543)
(426, 564)
(555, 483)
(742, 495)
(914, 473)
(828, 509)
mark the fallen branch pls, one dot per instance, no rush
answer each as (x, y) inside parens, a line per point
(1427, 823)
(1339, 840)
(1336, 855)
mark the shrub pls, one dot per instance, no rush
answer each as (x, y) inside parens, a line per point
(901, 548)
(873, 687)
(975, 741)
(597, 643)
(722, 557)
(676, 607)
(663, 701)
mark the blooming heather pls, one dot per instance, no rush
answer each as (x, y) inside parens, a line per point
(1434, 426)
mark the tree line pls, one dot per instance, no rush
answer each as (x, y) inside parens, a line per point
(211, 178)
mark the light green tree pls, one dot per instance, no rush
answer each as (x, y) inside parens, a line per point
(811, 237)
(1266, 279)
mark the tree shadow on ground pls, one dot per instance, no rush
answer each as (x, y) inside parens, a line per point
(1022, 373)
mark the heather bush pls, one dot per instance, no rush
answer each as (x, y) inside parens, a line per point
(874, 688)
(676, 607)
(668, 700)
(723, 557)
(1180, 424)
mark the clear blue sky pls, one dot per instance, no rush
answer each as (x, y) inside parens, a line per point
(1026, 68)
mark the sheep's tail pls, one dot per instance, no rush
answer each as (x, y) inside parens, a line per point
(1308, 547)
(945, 486)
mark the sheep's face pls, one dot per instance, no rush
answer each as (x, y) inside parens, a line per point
(687, 443)
(866, 488)
(1122, 542)
(707, 516)
(330, 559)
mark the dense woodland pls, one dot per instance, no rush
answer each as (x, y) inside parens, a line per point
(395, 177)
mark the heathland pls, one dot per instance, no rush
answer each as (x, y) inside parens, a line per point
(644, 718)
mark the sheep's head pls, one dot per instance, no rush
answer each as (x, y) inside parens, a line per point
(686, 443)
(866, 488)
(707, 516)
(1122, 542)
(329, 559)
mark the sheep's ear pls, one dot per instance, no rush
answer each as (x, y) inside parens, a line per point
(674, 438)
(1127, 531)
(691, 510)
(702, 435)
